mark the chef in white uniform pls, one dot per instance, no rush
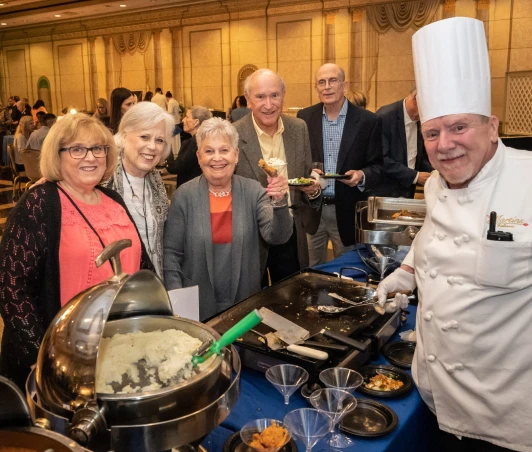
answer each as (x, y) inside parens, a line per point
(473, 360)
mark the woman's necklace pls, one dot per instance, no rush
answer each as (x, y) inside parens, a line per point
(142, 212)
(220, 194)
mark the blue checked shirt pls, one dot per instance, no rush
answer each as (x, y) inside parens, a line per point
(332, 137)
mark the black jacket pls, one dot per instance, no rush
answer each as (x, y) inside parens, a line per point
(398, 177)
(186, 165)
(360, 149)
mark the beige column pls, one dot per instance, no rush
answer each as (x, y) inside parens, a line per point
(357, 49)
(158, 61)
(176, 63)
(93, 72)
(483, 14)
(108, 66)
(328, 38)
(449, 8)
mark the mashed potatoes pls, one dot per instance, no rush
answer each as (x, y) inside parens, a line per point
(136, 362)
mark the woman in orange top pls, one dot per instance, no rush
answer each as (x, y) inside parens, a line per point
(54, 234)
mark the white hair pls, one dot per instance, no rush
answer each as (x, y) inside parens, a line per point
(217, 127)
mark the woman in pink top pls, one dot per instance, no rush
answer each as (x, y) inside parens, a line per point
(54, 234)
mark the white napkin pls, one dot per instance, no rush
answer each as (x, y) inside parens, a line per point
(322, 182)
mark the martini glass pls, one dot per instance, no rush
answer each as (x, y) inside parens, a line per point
(308, 425)
(279, 167)
(257, 426)
(286, 378)
(336, 403)
(341, 378)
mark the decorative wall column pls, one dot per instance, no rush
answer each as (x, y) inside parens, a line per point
(108, 66)
(357, 50)
(483, 14)
(176, 63)
(449, 8)
(158, 61)
(93, 72)
(329, 38)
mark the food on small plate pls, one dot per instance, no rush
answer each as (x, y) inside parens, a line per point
(300, 181)
(381, 382)
(333, 174)
(271, 437)
(407, 214)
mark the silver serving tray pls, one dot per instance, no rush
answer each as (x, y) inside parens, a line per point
(380, 210)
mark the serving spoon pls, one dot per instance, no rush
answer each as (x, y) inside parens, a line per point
(327, 309)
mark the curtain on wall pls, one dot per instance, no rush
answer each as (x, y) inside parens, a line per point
(129, 44)
(401, 16)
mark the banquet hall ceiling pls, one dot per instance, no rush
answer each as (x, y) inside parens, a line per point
(26, 13)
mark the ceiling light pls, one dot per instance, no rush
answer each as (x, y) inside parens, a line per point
(3, 23)
(58, 15)
(2, 4)
(73, 111)
(123, 6)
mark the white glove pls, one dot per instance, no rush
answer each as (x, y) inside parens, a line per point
(399, 280)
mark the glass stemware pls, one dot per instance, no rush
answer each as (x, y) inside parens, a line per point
(336, 403)
(286, 378)
(257, 426)
(308, 425)
(279, 167)
(341, 378)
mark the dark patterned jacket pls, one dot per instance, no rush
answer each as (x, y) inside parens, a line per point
(30, 295)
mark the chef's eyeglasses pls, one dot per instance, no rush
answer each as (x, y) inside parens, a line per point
(80, 152)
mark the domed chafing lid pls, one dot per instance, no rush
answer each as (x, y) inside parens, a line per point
(66, 364)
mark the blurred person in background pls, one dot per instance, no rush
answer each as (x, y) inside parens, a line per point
(38, 136)
(20, 141)
(241, 110)
(143, 140)
(216, 221)
(186, 164)
(121, 101)
(37, 107)
(148, 97)
(55, 232)
(102, 108)
(159, 99)
(356, 98)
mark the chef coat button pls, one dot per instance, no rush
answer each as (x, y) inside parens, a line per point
(462, 200)
(433, 273)
(458, 366)
(442, 198)
(445, 327)
(459, 280)
(450, 280)
(457, 241)
(449, 368)
(465, 238)
(428, 316)
(453, 324)
(431, 358)
(441, 235)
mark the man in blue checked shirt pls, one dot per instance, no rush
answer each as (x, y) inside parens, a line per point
(347, 139)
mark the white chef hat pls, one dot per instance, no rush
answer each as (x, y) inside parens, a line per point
(452, 68)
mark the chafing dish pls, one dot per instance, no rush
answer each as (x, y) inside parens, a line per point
(62, 387)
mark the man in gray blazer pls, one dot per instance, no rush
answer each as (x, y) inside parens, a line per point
(265, 134)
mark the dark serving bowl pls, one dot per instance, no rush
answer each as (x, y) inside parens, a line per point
(392, 372)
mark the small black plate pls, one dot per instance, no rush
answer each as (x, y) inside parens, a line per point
(335, 176)
(292, 183)
(235, 444)
(400, 353)
(370, 418)
(397, 374)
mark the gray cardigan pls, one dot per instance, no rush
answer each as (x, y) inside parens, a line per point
(188, 248)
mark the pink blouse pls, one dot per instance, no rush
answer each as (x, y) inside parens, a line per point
(79, 246)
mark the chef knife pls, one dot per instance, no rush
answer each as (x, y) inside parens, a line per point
(287, 332)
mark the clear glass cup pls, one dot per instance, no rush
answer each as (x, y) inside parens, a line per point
(341, 378)
(286, 378)
(336, 403)
(257, 426)
(318, 166)
(308, 425)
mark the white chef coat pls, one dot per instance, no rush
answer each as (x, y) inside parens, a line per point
(473, 360)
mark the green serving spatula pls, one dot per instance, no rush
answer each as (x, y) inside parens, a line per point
(231, 335)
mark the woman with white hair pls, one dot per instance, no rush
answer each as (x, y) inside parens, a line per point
(216, 221)
(143, 140)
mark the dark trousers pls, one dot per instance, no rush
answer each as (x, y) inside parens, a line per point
(283, 260)
(450, 443)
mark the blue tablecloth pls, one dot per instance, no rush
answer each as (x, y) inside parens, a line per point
(259, 399)
(8, 139)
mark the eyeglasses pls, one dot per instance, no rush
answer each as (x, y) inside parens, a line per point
(332, 83)
(80, 152)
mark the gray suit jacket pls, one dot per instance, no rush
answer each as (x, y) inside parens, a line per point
(299, 164)
(188, 248)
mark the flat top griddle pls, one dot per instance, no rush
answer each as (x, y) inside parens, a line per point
(296, 298)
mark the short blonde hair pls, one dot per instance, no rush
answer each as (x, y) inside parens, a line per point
(64, 132)
(217, 127)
